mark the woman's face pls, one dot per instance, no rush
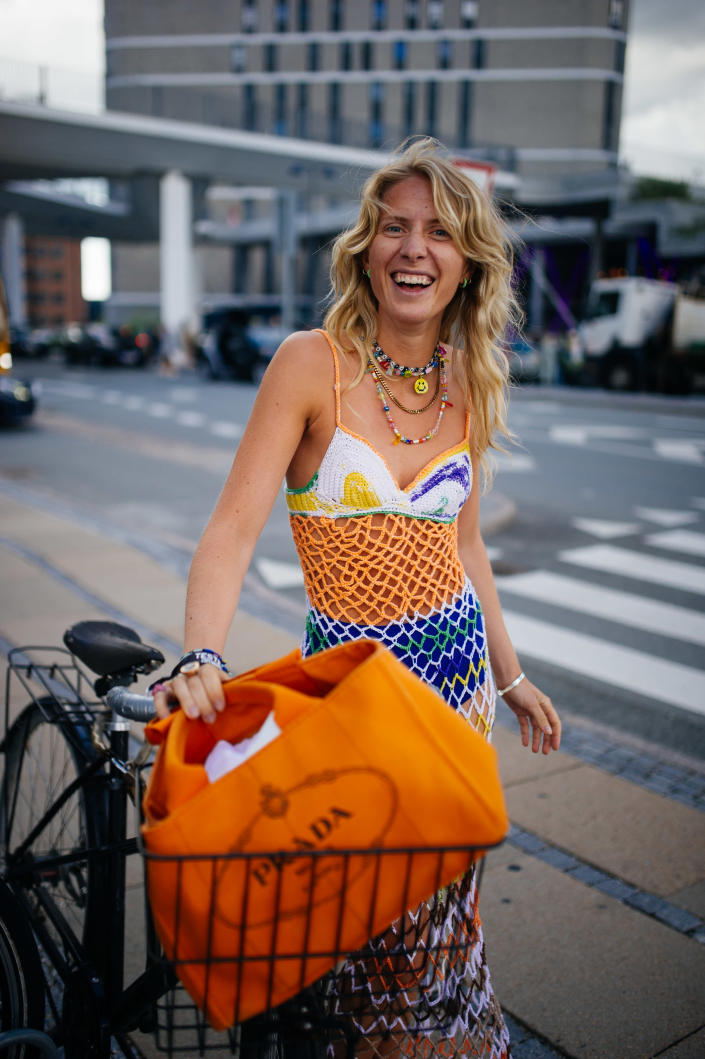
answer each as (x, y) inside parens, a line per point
(415, 267)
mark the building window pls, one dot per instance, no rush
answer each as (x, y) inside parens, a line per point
(302, 112)
(431, 107)
(409, 108)
(270, 58)
(411, 14)
(479, 55)
(335, 17)
(376, 130)
(444, 54)
(238, 58)
(281, 16)
(304, 16)
(608, 122)
(249, 108)
(434, 14)
(400, 52)
(378, 14)
(249, 16)
(281, 123)
(313, 55)
(468, 13)
(366, 55)
(346, 55)
(464, 117)
(334, 125)
(616, 14)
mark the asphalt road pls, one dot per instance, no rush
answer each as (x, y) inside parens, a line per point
(601, 573)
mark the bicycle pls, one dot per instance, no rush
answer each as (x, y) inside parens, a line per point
(69, 776)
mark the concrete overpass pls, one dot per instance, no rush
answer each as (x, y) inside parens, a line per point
(166, 165)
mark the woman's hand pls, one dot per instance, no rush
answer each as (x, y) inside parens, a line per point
(199, 694)
(535, 710)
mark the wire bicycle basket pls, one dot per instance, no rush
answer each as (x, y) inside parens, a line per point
(252, 972)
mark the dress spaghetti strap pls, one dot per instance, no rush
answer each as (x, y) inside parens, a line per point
(334, 351)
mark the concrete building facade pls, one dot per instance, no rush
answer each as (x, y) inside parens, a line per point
(534, 87)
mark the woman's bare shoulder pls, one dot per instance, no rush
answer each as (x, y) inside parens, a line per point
(303, 350)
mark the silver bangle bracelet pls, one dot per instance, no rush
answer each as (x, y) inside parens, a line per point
(510, 687)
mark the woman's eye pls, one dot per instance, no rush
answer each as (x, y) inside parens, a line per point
(441, 233)
(393, 228)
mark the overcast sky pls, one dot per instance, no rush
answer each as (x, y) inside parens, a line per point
(663, 123)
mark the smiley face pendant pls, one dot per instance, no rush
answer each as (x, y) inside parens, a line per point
(421, 386)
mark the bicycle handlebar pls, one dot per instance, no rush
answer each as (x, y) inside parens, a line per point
(130, 705)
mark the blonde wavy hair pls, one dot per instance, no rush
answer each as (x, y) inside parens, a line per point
(476, 319)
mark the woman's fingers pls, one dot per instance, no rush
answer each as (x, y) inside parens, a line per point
(539, 722)
(199, 694)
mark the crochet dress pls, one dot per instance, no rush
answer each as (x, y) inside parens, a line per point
(382, 562)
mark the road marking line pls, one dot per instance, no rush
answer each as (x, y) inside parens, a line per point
(514, 462)
(603, 528)
(571, 434)
(190, 419)
(666, 517)
(625, 608)
(623, 667)
(277, 574)
(679, 541)
(624, 563)
(684, 451)
(71, 389)
(160, 410)
(226, 430)
(112, 397)
(133, 403)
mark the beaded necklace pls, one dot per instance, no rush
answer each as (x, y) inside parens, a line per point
(390, 367)
(445, 403)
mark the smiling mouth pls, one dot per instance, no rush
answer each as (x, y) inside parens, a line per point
(409, 281)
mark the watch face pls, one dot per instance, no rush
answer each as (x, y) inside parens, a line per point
(190, 667)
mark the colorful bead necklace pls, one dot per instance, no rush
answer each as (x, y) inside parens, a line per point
(390, 367)
(399, 438)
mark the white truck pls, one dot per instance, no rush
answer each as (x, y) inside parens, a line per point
(643, 334)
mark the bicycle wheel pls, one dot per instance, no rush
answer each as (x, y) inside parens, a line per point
(21, 981)
(44, 753)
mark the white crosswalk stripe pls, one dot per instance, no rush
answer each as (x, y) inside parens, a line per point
(679, 541)
(672, 674)
(623, 667)
(625, 563)
(625, 608)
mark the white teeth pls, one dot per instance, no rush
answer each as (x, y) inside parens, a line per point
(412, 281)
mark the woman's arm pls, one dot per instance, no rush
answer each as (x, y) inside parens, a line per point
(291, 396)
(532, 708)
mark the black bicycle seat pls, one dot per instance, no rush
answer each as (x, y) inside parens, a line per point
(108, 648)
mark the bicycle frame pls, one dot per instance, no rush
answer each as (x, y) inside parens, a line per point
(90, 967)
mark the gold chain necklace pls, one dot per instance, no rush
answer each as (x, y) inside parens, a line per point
(397, 402)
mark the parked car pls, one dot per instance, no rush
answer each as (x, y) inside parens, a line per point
(17, 397)
(101, 346)
(231, 345)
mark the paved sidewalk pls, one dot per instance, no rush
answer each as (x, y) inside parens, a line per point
(594, 909)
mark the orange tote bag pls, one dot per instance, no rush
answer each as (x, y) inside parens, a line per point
(241, 877)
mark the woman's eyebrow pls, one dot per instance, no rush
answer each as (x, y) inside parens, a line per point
(404, 217)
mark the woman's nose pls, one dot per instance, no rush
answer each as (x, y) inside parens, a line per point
(414, 245)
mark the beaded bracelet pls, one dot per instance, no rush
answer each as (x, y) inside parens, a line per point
(510, 687)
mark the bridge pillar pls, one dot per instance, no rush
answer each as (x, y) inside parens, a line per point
(177, 268)
(11, 240)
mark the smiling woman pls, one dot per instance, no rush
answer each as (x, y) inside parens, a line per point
(388, 534)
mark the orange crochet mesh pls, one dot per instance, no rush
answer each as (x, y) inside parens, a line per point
(378, 568)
